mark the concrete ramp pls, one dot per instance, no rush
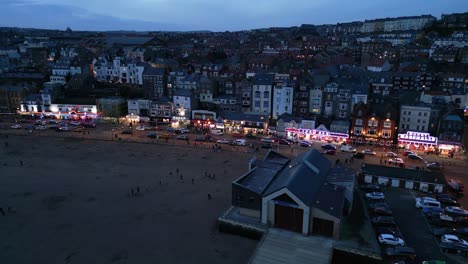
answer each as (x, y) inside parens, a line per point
(280, 246)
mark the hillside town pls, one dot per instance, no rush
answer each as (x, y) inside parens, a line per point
(344, 128)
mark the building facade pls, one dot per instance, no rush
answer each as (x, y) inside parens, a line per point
(414, 118)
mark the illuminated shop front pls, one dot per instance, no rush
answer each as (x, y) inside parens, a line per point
(245, 123)
(203, 119)
(315, 134)
(74, 112)
(417, 141)
(448, 147)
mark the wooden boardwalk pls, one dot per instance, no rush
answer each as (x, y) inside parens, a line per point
(279, 246)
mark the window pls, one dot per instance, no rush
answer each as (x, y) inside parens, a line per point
(257, 103)
(425, 114)
(417, 128)
(286, 108)
(387, 124)
(266, 94)
(343, 106)
(419, 114)
(257, 94)
(328, 104)
(359, 113)
(357, 131)
(409, 119)
(266, 104)
(358, 122)
(343, 114)
(386, 133)
(423, 128)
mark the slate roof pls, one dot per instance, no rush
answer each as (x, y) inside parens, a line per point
(183, 92)
(455, 118)
(330, 199)
(303, 176)
(32, 97)
(341, 173)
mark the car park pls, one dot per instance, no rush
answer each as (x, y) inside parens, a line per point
(455, 210)
(396, 161)
(375, 196)
(358, 155)
(328, 146)
(389, 239)
(414, 157)
(383, 221)
(401, 253)
(368, 152)
(391, 155)
(453, 239)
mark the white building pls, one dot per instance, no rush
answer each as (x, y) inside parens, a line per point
(118, 71)
(138, 107)
(262, 89)
(315, 104)
(282, 100)
(414, 118)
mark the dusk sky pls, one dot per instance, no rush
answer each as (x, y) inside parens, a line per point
(215, 15)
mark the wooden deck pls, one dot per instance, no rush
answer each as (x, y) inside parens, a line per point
(279, 246)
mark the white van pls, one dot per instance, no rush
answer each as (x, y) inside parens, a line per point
(347, 148)
(239, 142)
(426, 202)
(217, 132)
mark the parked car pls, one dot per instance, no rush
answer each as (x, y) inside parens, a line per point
(359, 155)
(443, 221)
(223, 141)
(284, 141)
(438, 232)
(328, 146)
(375, 196)
(305, 144)
(185, 130)
(455, 210)
(434, 165)
(414, 157)
(89, 125)
(401, 253)
(454, 248)
(140, 128)
(78, 129)
(369, 152)
(75, 123)
(63, 129)
(251, 136)
(388, 239)
(330, 152)
(391, 155)
(182, 137)
(41, 127)
(348, 148)
(383, 221)
(388, 230)
(431, 211)
(396, 161)
(453, 239)
(448, 202)
(423, 202)
(445, 195)
(237, 135)
(127, 131)
(152, 134)
(434, 262)
(16, 126)
(381, 211)
(456, 185)
(407, 152)
(379, 204)
(267, 140)
(170, 129)
(370, 188)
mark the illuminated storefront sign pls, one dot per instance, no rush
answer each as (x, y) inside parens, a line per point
(417, 138)
(314, 133)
